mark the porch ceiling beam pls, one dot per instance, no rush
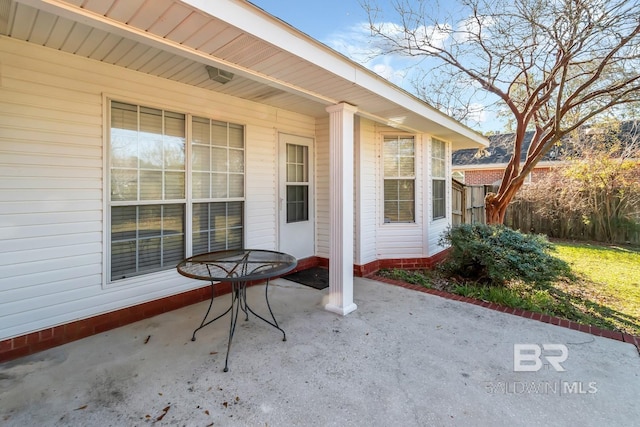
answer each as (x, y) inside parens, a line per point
(93, 19)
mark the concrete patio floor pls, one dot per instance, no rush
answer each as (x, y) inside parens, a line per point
(403, 358)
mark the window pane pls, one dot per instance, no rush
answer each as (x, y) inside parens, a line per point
(390, 211)
(149, 254)
(149, 221)
(405, 211)
(405, 147)
(234, 214)
(145, 239)
(405, 189)
(236, 161)
(390, 189)
(124, 135)
(172, 219)
(219, 185)
(174, 153)
(219, 159)
(123, 222)
(407, 166)
(150, 185)
(297, 203)
(201, 185)
(439, 200)
(200, 131)
(217, 226)
(124, 148)
(219, 134)
(201, 158)
(124, 184)
(390, 158)
(236, 136)
(174, 185)
(172, 250)
(123, 259)
(236, 185)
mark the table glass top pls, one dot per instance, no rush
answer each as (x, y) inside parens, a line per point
(237, 265)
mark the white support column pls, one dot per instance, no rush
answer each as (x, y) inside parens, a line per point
(341, 152)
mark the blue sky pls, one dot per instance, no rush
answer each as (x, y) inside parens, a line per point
(318, 19)
(343, 25)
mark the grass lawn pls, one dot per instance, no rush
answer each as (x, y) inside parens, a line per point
(605, 291)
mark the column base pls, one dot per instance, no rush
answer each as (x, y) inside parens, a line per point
(343, 311)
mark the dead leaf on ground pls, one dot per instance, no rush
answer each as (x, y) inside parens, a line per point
(165, 411)
(82, 407)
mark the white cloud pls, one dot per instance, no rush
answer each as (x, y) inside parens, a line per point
(357, 44)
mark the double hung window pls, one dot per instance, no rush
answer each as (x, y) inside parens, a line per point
(399, 179)
(438, 179)
(152, 163)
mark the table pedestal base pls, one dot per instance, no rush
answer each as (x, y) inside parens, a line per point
(238, 302)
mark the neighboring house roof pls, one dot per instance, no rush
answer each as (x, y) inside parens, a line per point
(270, 61)
(498, 153)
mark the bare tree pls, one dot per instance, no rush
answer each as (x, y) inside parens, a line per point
(555, 65)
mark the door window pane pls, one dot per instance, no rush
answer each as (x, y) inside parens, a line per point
(297, 203)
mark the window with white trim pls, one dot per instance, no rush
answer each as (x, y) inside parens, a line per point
(438, 179)
(399, 179)
(149, 156)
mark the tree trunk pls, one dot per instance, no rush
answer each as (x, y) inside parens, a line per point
(496, 204)
(495, 210)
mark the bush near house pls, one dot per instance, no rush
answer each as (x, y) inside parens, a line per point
(495, 254)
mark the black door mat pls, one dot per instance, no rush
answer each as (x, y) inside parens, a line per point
(316, 277)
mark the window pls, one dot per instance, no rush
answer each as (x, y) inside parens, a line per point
(399, 179)
(149, 156)
(297, 183)
(438, 179)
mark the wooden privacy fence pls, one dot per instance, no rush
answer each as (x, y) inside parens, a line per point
(521, 215)
(467, 207)
(467, 204)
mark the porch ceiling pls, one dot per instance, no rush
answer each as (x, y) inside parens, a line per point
(175, 39)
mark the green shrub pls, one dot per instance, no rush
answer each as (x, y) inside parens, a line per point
(496, 254)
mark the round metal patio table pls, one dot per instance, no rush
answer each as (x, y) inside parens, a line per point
(237, 267)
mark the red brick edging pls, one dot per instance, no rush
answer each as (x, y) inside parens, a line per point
(619, 336)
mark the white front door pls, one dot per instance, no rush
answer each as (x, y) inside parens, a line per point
(296, 205)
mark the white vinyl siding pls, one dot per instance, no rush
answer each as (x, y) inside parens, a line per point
(52, 195)
(366, 172)
(322, 187)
